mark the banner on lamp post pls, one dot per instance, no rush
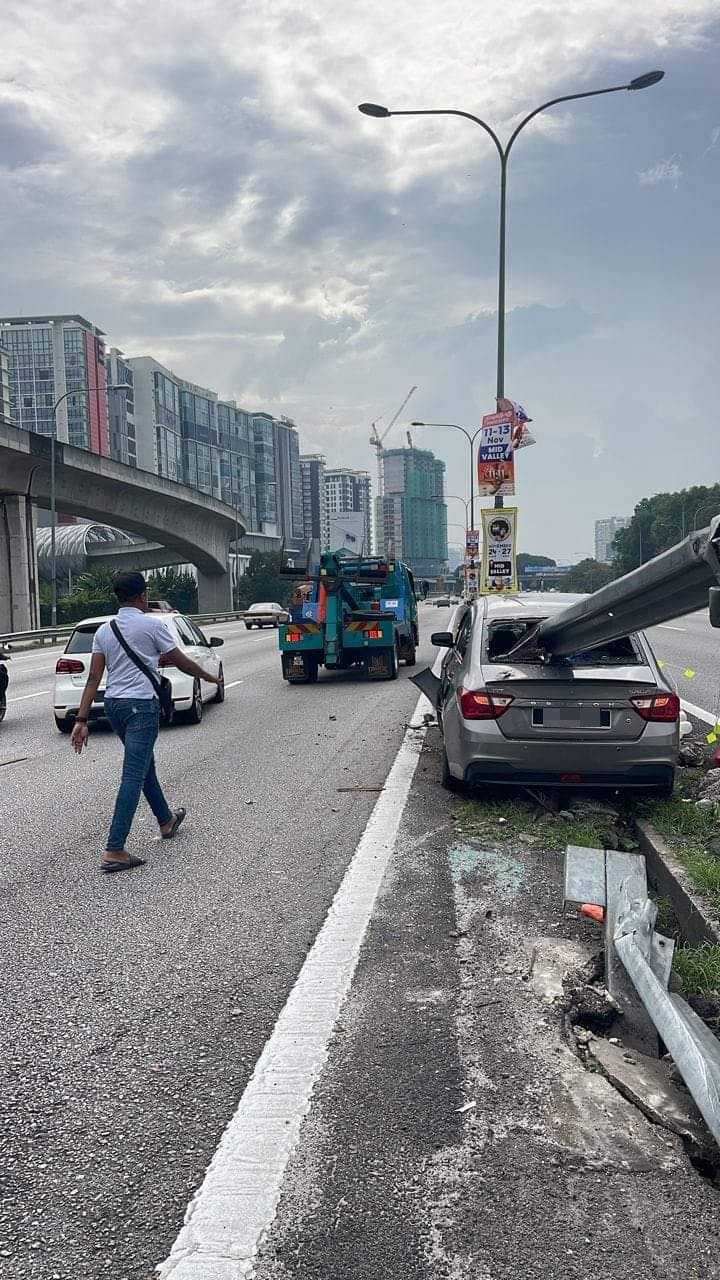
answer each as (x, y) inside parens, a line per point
(496, 464)
(499, 558)
(521, 434)
(472, 543)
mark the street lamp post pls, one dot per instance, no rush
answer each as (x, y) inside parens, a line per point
(471, 441)
(704, 506)
(373, 109)
(79, 391)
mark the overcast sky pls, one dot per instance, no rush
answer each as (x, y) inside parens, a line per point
(195, 179)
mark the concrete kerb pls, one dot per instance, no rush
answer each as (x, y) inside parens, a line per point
(670, 879)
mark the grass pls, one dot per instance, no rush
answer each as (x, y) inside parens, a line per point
(504, 819)
(687, 831)
(699, 968)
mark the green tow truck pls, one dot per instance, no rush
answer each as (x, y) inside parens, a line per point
(350, 612)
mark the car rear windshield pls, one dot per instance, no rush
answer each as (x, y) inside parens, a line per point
(81, 640)
(262, 608)
(502, 636)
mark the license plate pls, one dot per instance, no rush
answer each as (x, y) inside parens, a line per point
(571, 717)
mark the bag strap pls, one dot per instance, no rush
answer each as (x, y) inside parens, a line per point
(134, 657)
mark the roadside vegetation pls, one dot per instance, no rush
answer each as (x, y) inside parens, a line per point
(691, 833)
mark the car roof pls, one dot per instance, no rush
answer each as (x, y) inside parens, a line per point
(108, 617)
(518, 606)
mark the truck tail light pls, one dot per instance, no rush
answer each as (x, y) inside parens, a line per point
(165, 660)
(293, 637)
(373, 633)
(69, 667)
(480, 705)
(657, 706)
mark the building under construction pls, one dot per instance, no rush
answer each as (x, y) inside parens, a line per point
(411, 515)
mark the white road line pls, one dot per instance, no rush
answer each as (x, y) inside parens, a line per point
(229, 1214)
(233, 683)
(665, 626)
(699, 713)
(25, 696)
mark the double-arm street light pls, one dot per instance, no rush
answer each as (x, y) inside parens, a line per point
(372, 109)
(79, 391)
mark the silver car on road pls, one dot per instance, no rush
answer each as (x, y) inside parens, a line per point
(605, 717)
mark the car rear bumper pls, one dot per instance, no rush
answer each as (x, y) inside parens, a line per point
(636, 776)
(480, 754)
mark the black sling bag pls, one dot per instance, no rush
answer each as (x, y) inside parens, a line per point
(161, 684)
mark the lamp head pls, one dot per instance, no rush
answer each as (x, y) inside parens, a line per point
(644, 82)
(372, 109)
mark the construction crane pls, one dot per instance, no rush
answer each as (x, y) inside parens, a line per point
(376, 440)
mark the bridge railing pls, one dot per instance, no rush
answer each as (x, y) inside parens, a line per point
(51, 635)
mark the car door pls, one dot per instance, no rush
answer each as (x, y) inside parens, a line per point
(454, 661)
(206, 657)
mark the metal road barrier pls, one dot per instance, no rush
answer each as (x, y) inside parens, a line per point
(62, 632)
(676, 582)
(638, 962)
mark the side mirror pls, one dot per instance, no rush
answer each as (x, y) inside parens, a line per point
(714, 603)
(215, 642)
(443, 639)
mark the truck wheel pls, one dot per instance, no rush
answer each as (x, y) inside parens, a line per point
(410, 656)
(393, 661)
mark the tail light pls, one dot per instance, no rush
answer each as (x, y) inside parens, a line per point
(165, 660)
(657, 706)
(294, 637)
(373, 633)
(481, 705)
(69, 667)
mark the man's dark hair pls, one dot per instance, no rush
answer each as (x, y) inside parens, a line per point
(128, 586)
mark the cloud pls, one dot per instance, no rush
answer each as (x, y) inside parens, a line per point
(664, 171)
(197, 181)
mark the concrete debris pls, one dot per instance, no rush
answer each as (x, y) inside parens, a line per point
(648, 1083)
(693, 754)
(467, 1107)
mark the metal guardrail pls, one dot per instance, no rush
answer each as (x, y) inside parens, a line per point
(638, 962)
(61, 632)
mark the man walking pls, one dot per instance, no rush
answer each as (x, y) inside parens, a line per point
(133, 708)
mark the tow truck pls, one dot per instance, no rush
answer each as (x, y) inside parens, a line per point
(351, 612)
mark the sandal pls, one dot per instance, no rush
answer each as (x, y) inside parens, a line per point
(122, 866)
(178, 817)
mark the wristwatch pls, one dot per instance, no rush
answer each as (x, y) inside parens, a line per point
(81, 719)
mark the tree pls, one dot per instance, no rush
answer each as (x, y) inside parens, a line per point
(524, 559)
(661, 521)
(261, 581)
(587, 575)
(179, 589)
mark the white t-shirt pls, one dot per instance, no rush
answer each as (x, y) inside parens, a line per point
(148, 635)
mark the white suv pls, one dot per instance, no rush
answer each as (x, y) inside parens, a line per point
(72, 669)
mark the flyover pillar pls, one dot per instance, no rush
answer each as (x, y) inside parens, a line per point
(214, 592)
(19, 605)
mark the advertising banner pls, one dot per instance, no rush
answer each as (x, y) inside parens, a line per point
(472, 543)
(496, 465)
(521, 436)
(499, 568)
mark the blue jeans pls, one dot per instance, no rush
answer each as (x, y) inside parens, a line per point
(136, 722)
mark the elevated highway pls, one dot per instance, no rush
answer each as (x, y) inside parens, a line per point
(193, 527)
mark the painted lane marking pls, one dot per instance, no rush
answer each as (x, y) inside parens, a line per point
(24, 696)
(665, 626)
(236, 1203)
(233, 683)
(699, 713)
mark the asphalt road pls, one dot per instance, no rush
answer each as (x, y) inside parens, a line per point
(134, 1007)
(690, 644)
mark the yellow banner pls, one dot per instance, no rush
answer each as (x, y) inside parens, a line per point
(499, 552)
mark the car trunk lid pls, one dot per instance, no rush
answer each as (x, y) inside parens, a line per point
(559, 703)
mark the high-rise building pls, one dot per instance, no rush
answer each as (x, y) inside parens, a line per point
(237, 460)
(605, 534)
(265, 480)
(5, 414)
(312, 479)
(348, 492)
(50, 355)
(156, 395)
(411, 514)
(289, 483)
(121, 408)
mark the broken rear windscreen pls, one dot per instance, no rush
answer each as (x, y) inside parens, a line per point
(503, 635)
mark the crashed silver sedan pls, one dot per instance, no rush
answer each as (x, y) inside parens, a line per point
(603, 717)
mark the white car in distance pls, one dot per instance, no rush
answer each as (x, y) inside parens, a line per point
(189, 695)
